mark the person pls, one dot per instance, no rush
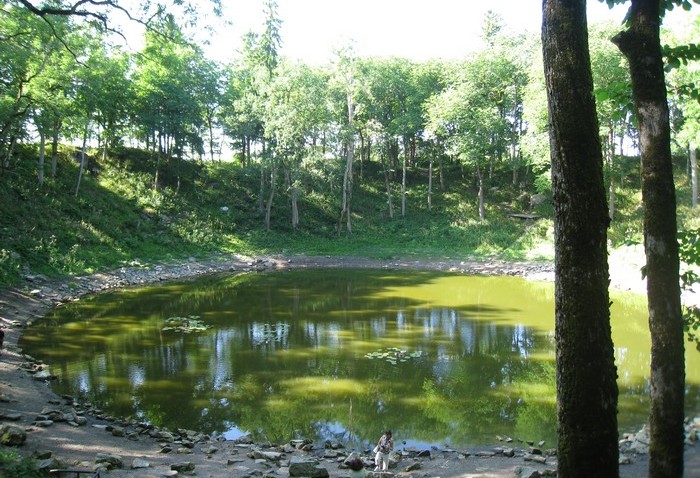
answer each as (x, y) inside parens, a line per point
(384, 447)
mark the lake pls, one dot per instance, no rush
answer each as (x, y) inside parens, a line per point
(337, 354)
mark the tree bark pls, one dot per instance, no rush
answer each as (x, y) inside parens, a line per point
(586, 375)
(641, 45)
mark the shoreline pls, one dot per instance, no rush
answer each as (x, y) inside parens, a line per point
(77, 445)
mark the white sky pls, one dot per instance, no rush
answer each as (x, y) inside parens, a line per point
(415, 29)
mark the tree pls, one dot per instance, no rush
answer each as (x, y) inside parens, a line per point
(475, 115)
(345, 78)
(613, 101)
(296, 112)
(586, 374)
(641, 44)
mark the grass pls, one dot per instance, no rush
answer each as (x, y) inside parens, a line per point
(118, 216)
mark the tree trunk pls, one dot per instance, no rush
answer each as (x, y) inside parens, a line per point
(480, 180)
(403, 179)
(611, 175)
(430, 184)
(694, 174)
(268, 207)
(585, 369)
(54, 147)
(293, 195)
(387, 183)
(641, 45)
(82, 156)
(347, 175)
(42, 154)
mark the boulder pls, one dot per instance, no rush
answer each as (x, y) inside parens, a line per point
(183, 467)
(109, 460)
(139, 463)
(12, 436)
(306, 467)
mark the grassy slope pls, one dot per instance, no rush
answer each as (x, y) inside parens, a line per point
(117, 217)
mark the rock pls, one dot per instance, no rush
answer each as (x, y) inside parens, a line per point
(624, 460)
(485, 454)
(12, 436)
(118, 431)
(13, 417)
(183, 467)
(307, 468)
(527, 472)
(139, 463)
(44, 423)
(423, 454)
(44, 375)
(412, 467)
(535, 458)
(110, 460)
(210, 450)
(184, 451)
(47, 464)
(42, 454)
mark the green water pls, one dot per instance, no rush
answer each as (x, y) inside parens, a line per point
(313, 354)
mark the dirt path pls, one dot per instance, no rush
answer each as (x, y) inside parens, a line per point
(29, 404)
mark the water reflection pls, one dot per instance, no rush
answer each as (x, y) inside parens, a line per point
(336, 354)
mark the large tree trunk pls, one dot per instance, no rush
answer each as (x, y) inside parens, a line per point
(586, 374)
(640, 43)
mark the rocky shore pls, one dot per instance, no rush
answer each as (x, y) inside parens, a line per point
(61, 432)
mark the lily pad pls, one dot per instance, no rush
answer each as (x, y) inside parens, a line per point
(187, 325)
(394, 355)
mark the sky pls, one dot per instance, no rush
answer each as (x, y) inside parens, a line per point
(415, 29)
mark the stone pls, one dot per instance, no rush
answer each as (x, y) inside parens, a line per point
(42, 454)
(308, 468)
(412, 467)
(118, 431)
(183, 466)
(12, 436)
(527, 472)
(184, 451)
(13, 417)
(110, 460)
(47, 464)
(139, 463)
(210, 450)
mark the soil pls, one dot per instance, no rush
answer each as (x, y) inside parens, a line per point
(23, 397)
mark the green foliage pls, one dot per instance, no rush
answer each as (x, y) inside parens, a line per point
(14, 465)
(689, 254)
